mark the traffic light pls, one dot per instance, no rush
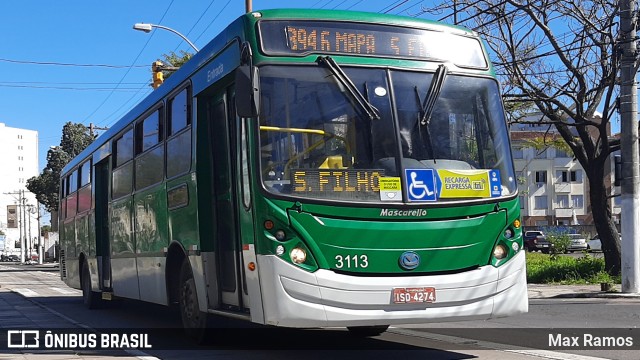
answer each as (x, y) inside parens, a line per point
(158, 76)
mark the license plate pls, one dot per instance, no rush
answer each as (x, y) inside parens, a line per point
(414, 295)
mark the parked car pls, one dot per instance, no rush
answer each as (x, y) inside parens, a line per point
(13, 258)
(594, 245)
(578, 243)
(536, 240)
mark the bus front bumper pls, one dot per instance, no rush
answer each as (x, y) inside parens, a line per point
(293, 297)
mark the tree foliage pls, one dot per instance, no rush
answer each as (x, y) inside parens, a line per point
(46, 186)
(174, 60)
(562, 57)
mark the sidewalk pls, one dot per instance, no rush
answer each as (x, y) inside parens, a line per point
(543, 291)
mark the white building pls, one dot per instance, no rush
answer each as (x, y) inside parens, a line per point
(554, 188)
(18, 162)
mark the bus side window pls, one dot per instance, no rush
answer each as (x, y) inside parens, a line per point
(72, 199)
(179, 142)
(63, 199)
(84, 192)
(149, 163)
(122, 177)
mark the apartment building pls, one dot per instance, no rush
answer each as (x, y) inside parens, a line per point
(553, 187)
(18, 213)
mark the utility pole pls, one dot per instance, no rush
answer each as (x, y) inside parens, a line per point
(30, 238)
(92, 128)
(20, 220)
(248, 5)
(630, 244)
(25, 238)
(40, 251)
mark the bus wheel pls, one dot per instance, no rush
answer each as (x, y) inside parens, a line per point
(90, 298)
(367, 330)
(193, 320)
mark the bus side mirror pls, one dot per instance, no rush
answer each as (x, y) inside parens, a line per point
(247, 91)
(617, 170)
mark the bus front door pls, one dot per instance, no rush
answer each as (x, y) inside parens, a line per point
(227, 234)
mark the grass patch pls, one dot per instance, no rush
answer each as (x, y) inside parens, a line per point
(544, 269)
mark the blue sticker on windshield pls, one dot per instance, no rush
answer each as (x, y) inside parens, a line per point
(494, 181)
(421, 184)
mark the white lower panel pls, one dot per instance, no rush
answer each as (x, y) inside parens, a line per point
(296, 298)
(125, 278)
(151, 277)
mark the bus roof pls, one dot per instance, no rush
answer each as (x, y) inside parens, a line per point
(236, 30)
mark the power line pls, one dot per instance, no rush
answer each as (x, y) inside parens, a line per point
(214, 19)
(30, 62)
(68, 88)
(194, 24)
(359, 1)
(394, 7)
(129, 69)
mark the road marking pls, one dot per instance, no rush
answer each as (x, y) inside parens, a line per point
(545, 354)
(65, 291)
(25, 292)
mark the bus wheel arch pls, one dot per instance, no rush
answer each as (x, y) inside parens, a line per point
(193, 320)
(175, 257)
(90, 298)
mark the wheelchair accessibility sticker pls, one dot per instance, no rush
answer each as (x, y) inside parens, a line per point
(431, 185)
(421, 184)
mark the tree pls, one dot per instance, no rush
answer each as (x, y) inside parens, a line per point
(45, 229)
(175, 61)
(563, 57)
(46, 186)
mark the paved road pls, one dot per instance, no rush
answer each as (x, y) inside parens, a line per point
(36, 299)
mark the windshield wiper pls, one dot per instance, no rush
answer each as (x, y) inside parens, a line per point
(350, 87)
(429, 104)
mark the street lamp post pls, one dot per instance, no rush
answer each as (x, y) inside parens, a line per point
(148, 27)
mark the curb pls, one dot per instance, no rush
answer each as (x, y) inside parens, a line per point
(601, 295)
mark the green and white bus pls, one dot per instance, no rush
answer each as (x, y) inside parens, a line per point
(307, 168)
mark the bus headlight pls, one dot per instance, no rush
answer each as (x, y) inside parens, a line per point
(500, 252)
(298, 255)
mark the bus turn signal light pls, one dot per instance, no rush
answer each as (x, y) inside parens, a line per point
(516, 223)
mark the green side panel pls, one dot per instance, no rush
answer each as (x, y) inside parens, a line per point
(91, 219)
(151, 220)
(183, 212)
(82, 231)
(70, 239)
(122, 240)
(443, 245)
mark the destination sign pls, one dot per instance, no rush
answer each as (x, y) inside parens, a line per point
(302, 38)
(335, 180)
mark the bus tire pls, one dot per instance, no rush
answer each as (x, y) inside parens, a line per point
(90, 298)
(194, 321)
(367, 331)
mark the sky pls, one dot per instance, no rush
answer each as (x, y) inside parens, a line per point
(81, 61)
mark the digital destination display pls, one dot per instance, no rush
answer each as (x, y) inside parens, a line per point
(335, 180)
(302, 38)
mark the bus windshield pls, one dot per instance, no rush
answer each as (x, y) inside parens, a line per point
(316, 142)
